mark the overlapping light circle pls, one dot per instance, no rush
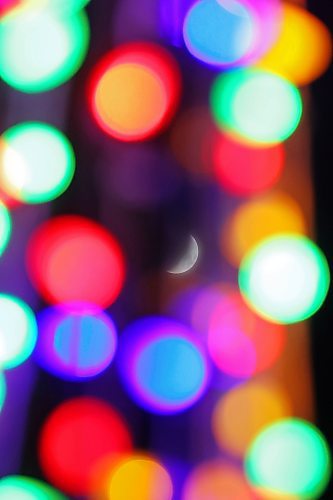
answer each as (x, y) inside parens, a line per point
(40, 50)
(37, 162)
(134, 91)
(256, 106)
(27, 488)
(18, 331)
(290, 457)
(5, 227)
(162, 365)
(285, 278)
(76, 343)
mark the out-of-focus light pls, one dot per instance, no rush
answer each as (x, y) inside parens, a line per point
(290, 457)
(75, 343)
(3, 391)
(7, 5)
(215, 480)
(303, 49)
(27, 488)
(5, 227)
(60, 6)
(241, 343)
(219, 33)
(74, 259)
(138, 476)
(188, 260)
(18, 331)
(256, 220)
(75, 437)
(54, 48)
(256, 106)
(163, 365)
(244, 411)
(37, 162)
(245, 170)
(285, 278)
(134, 91)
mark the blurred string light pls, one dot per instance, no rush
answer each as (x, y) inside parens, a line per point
(3, 391)
(5, 227)
(138, 476)
(303, 49)
(243, 169)
(37, 162)
(162, 365)
(256, 105)
(219, 33)
(75, 343)
(290, 457)
(54, 48)
(244, 411)
(257, 219)
(188, 260)
(217, 479)
(285, 278)
(77, 435)
(27, 488)
(241, 343)
(18, 331)
(134, 91)
(74, 259)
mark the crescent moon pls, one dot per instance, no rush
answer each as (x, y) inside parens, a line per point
(188, 260)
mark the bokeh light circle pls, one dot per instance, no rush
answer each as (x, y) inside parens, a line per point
(311, 44)
(216, 480)
(75, 437)
(18, 331)
(240, 342)
(5, 227)
(163, 366)
(289, 457)
(27, 488)
(73, 259)
(137, 475)
(219, 33)
(257, 219)
(285, 278)
(37, 162)
(75, 343)
(54, 48)
(134, 91)
(256, 106)
(244, 170)
(244, 411)
(3, 390)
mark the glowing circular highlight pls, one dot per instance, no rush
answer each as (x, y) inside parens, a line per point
(37, 163)
(219, 33)
(215, 480)
(76, 343)
(5, 227)
(162, 365)
(63, 6)
(74, 259)
(244, 411)
(285, 278)
(134, 91)
(138, 476)
(240, 342)
(258, 219)
(27, 488)
(54, 48)
(311, 46)
(255, 105)
(244, 170)
(18, 331)
(289, 457)
(75, 437)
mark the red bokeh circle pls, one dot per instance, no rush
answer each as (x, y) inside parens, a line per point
(134, 91)
(73, 259)
(76, 437)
